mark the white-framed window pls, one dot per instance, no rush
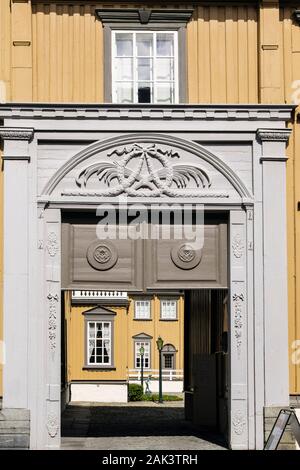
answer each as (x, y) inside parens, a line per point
(168, 309)
(145, 67)
(142, 309)
(99, 342)
(137, 355)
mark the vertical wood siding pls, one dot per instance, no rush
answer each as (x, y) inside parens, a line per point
(67, 53)
(223, 55)
(5, 62)
(290, 47)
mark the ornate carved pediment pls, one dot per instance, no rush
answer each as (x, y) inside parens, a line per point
(143, 170)
(145, 166)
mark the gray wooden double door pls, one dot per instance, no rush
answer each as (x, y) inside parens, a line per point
(161, 257)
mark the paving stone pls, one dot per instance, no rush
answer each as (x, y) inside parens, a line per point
(134, 426)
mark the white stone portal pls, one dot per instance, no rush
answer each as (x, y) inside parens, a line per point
(240, 151)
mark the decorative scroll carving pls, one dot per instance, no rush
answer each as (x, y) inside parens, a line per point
(184, 256)
(102, 255)
(238, 422)
(238, 300)
(52, 244)
(52, 320)
(237, 246)
(52, 424)
(145, 171)
(16, 133)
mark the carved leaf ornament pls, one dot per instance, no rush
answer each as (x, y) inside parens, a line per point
(144, 171)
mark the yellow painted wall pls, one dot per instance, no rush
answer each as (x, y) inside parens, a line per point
(125, 327)
(170, 331)
(222, 55)
(53, 51)
(290, 60)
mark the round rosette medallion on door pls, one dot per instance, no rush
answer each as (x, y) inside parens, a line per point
(185, 256)
(102, 255)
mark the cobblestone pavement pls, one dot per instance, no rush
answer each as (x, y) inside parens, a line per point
(135, 426)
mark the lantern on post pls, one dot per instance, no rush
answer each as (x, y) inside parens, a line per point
(160, 344)
(142, 352)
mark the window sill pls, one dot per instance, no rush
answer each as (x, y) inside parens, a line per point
(99, 367)
(168, 319)
(142, 319)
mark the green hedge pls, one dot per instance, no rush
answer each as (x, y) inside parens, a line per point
(155, 397)
(135, 392)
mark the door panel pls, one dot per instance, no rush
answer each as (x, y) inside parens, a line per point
(141, 265)
(91, 263)
(178, 264)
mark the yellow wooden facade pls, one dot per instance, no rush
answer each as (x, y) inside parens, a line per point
(125, 328)
(237, 52)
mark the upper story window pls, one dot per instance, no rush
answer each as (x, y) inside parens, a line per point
(145, 67)
(142, 309)
(168, 309)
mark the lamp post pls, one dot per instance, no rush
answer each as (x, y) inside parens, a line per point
(142, 352)
(160, 344)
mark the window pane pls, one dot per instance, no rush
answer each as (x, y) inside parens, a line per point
(144, 44)
(144, 93)
(124, 69)
(124, 44)
(146, 359)
(165, 69)
(164, 92)
(165, 44)
(99, 349)
(144, 69)
(124, 92)
(168, 361)
(169, 309)
(142, 310)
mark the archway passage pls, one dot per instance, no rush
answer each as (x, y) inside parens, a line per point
(176, 290)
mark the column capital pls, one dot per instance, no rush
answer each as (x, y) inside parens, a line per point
(16, 133)
(273, 135)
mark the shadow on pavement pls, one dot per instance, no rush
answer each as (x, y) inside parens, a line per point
(121, 421)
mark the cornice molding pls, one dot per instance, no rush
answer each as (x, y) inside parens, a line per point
(137, 112)
(273, 135)
(143, 15)
(16, 133)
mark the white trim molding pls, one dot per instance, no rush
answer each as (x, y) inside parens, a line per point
(278, 135)
(16, 133)
(177, 112)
